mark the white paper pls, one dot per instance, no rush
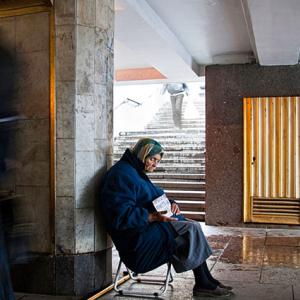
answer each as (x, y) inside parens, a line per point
(162, 203)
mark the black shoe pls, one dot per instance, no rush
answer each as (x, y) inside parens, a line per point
(217, 292)
(226, 287)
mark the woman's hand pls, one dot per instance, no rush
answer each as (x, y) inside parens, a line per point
(158, 217)
(175, 209)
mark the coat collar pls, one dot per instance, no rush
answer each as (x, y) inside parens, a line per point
(132, 159)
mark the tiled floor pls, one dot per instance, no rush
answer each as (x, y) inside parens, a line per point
(260, 263)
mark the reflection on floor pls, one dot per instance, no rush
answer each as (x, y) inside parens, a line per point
(260, 263)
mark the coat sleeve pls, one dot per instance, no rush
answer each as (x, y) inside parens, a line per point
(118, 200)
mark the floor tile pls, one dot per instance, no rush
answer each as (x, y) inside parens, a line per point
(283, 241)
(284, 256)
(180, 289)
(280, 275)
(236, 272)
(284, 232)
(251, 291)
(244, 250)
(296, 290)
(22, 296)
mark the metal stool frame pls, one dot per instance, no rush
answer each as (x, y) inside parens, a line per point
(134, 276)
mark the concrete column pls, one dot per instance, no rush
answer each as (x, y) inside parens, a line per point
(84, 81)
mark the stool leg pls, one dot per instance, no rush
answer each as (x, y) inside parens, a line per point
(168, 277)
(117, 278)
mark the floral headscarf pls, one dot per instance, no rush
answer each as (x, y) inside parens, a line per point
(146, 147)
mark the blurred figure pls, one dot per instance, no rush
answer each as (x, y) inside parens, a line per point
(6, 115)
(6, 290)
(176, 91)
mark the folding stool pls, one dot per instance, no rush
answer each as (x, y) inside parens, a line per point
(134, 276)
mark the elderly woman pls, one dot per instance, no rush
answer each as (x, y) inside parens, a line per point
(144, 237)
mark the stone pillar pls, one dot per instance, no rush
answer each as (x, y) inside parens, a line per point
(84, 133)
(69, 250)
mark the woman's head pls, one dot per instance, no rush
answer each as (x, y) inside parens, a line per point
(149, 152)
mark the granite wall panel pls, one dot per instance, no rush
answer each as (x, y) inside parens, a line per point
(86, 12)
(36, 276)
(65, 167)
(65, 225)
(85, 68)
(65, 12)
(28, 37)
(225, 88)
(65, 62)
(85, 190)
(85, 230)
(65, 112)
(32, 32)
(8, 33)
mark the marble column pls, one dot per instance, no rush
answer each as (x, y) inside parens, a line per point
(84, 134)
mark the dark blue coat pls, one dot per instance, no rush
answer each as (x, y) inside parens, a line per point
(126, 200)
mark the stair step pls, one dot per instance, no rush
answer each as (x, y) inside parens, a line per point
(190, 185)
(161, 132)
(176, 154)
(181, 168)
(196, 216)
(184, 139)
(162, 118)
(167, 142)
(187, 154)
(181, 147)
(172, 176)
(181, 155)
(167, 148)
(184, 161)
(166, 130)
(194, 206)
(170, 125)
(176, 194)
(177, 161)
(161, 135)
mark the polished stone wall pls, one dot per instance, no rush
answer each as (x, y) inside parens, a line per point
(70, 250)
(27, 39)
(225, 88)
(84, 81)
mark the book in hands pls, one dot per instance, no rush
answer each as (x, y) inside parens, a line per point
(163, 205)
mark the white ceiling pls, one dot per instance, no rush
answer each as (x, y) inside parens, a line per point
(179, 37)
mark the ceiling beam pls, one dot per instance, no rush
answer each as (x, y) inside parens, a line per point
(147, 33)
(249, 26)
(275, 24)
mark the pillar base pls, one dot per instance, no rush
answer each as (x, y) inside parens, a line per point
(72, 274)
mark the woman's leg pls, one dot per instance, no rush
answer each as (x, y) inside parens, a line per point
(208, 274)
(214, 280)
(202, 279)
(204, 286)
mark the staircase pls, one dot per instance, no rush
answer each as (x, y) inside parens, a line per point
(181, 173)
